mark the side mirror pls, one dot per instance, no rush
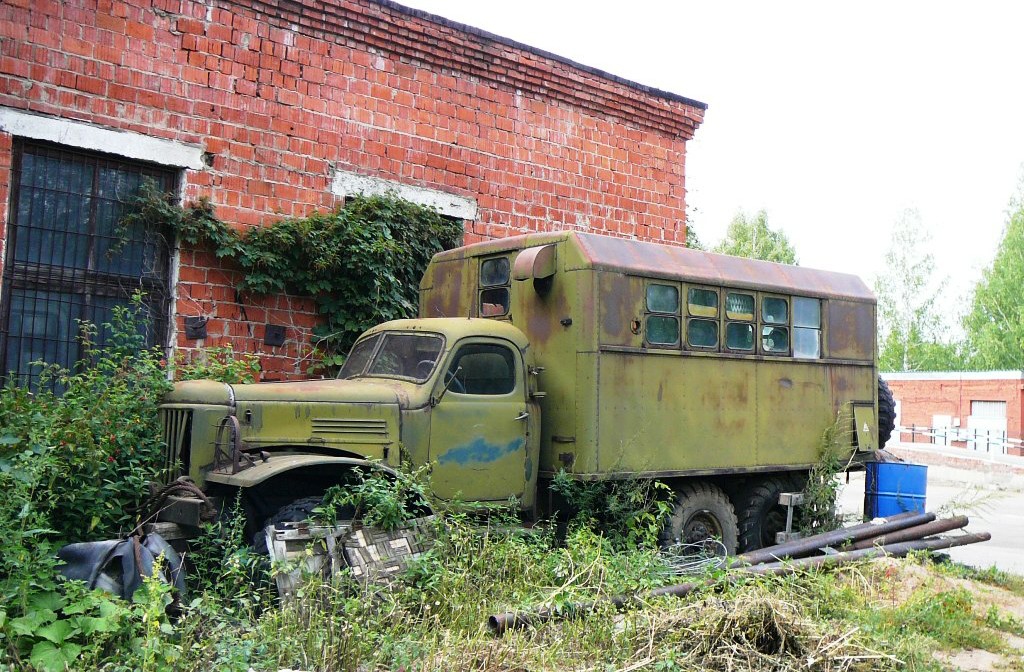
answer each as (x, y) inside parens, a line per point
(450, 381)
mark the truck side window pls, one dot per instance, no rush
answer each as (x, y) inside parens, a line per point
(775, 325)
(739, 326)
(482, 368)
(663, 315)
(806, 328)
(702, 325)
(495, 279)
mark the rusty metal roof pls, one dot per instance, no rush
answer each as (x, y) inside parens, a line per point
(681, 263)
(673, 262)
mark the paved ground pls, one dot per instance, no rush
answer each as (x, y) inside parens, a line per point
(989, 491)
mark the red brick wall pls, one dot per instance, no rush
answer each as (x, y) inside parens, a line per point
(280, 93)
(924, 398)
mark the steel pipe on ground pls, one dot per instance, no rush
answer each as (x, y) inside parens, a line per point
(799, 548)
(911, 533)
(499, 623)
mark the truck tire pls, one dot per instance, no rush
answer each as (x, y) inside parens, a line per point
(701, 511)
(886, 413)
(294, 512)
(760, 514)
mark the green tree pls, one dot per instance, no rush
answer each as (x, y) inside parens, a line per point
(753, 238)
(995, 324)
(909, 325)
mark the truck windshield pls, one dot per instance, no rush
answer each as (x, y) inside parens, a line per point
(394, 355)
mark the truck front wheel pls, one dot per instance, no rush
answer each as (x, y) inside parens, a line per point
(293, 512)
(701, 512)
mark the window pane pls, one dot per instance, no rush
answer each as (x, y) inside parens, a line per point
(482, 369)
(806, 342)
(494, 272)
(662, 330)
(775, 340)
(739, 336)
(702, 333)
(69, 260)
(358, 358)
(703, 302)
(806, 312)
(739, 306)
(663, 298)
(774, 310)
(494, 302)
(406, 356)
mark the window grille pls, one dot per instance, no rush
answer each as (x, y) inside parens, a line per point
(67, 258)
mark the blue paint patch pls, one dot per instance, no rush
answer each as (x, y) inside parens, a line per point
(478, 450)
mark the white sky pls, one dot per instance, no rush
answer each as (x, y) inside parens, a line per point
(834, 117)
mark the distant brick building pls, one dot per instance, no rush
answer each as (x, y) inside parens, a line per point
(975, 410)
(279, 108)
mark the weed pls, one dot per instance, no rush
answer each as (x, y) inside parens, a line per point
(630, 512)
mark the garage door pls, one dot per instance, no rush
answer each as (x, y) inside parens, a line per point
(986, 426)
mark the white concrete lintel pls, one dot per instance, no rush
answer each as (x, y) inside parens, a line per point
(83, 135)
(346, 183)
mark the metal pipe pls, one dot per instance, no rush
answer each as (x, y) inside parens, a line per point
(499, 623)
(897, 550)
(911, 533)
(808, 545)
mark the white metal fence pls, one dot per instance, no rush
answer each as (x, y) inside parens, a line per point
(989, 441)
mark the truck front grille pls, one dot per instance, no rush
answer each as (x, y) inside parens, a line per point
(352, 430)
(177, 435)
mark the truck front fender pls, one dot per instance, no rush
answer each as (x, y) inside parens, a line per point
(279, 464)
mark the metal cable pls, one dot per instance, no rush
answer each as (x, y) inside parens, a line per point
(696, 558)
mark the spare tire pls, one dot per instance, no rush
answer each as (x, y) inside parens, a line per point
(886, 413)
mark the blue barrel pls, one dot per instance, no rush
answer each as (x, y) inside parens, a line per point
(894, 487)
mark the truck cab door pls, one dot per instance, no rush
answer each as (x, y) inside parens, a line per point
(480, 443)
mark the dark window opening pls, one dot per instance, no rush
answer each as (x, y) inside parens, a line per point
(482, 369)
(68, 260)
(495, 281)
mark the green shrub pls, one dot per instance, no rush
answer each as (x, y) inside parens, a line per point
(218, 363)
(630, 512)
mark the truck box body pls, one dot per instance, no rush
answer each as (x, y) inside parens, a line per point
(666, 361)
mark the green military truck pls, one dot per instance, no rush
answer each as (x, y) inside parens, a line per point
(603, 357)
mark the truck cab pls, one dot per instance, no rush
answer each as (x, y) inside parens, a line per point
(456, 393)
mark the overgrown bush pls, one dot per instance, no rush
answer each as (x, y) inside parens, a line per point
(73, 467)
(222, 364)
(630, 512)
(99, 443)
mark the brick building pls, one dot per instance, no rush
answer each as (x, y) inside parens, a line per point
(973, 410)
(279, 108)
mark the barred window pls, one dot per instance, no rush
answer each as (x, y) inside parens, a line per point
(67, 258)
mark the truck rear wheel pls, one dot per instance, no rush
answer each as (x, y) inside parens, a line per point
(701, 512)
(760, 514)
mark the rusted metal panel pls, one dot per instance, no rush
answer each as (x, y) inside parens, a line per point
(851, 330)
(622, 307)
(674, 412)
(535, 263)
(794, 408)
(680, 263)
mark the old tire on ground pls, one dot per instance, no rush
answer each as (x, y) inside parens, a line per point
(293, 512)
(701, 511)
(886, 412)
(759, 512)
